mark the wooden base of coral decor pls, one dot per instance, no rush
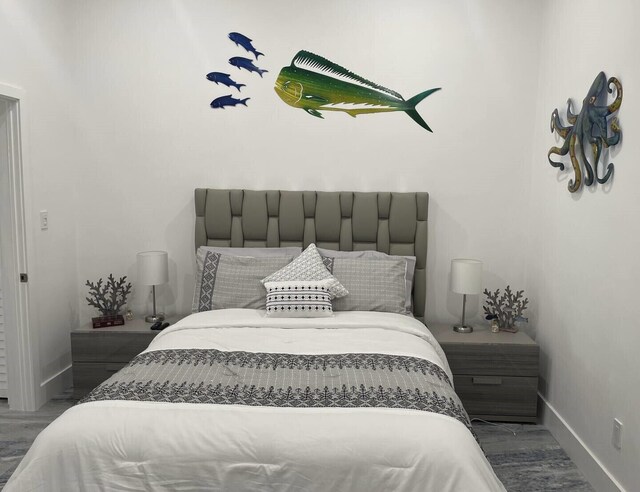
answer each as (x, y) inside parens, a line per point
(509, 329)
(104, 321)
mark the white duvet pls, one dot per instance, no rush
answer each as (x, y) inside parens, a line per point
(127, 446)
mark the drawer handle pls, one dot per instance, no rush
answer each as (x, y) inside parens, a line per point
(487, 380)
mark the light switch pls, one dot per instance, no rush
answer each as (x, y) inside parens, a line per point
(44, 220)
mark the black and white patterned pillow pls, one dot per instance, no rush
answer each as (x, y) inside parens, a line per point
(299, 299)
(308, 266)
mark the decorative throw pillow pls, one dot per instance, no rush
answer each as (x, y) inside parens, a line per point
(409, 270)
(374, 284)
(308, 266)
(299, 299)
(226, 281)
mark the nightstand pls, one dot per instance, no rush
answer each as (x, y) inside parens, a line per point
(495, 374)
(97, 353)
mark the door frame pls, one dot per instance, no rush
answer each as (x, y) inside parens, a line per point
(16, 247)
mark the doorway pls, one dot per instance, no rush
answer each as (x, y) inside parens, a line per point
(18, 348)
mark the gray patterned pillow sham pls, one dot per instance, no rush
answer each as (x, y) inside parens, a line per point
(409, 272)
(374, 284)
(226, 281)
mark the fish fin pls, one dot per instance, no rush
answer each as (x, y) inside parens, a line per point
(238, 86)
(257, 53)
(244, 101)
(413, 114)
(317, 99)
(315, 63)
(313, 112)
(353, 114)
(260, 71)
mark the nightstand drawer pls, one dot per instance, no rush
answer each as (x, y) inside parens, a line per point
(109, 346)
(88, 375)
(495, 396)
(493, 359)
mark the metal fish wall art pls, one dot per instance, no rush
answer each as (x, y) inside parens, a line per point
(314, 84)
(245, 42)
(224, 79)
(247, 64)
(241, 63)
(224, 101)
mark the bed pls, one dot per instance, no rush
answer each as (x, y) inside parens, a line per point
(235, 399)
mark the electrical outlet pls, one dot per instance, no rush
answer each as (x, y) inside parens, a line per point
(616, 438)
(44, 220)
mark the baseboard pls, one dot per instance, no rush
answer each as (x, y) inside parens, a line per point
(591, 467)
(57, 384)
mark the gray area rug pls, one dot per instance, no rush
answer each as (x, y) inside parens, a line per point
(530, 461)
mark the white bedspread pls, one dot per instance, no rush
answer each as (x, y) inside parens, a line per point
(126, 446)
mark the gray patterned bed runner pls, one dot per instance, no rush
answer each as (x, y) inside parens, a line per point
(284, 380)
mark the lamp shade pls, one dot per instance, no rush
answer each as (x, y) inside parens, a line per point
(153, 267)
(466, 276)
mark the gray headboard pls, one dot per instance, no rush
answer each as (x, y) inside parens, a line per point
(394, 223)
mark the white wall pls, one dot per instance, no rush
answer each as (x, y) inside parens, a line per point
(583, 257)
(148, 136)
(35, 56)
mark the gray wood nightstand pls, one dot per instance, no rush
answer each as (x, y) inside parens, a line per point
(495, 374)
(97, 353)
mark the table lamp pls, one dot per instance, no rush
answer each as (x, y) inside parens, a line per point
(466, 279)
(153, 269)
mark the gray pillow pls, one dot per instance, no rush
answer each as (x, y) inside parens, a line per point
(374, 284)
(409, 271)
(255, 252)
(226, 281)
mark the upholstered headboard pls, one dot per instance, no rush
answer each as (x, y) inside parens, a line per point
(394, 223)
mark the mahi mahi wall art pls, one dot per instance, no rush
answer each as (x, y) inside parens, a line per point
(314, 84)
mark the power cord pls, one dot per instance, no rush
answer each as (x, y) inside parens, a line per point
(496, 425)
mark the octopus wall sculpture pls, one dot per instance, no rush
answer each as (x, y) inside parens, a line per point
(591, 127)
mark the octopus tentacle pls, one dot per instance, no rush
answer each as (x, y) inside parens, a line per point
(558, 151)
(588, 180)
(574, 184)
(571, 118)
(615, 138)
(557, 125)
(615, 105)
(597, 149)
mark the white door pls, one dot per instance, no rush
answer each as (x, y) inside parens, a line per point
(4, 152)
(3, 350)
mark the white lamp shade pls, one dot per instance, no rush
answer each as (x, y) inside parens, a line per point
(153, 267)
(466, 276)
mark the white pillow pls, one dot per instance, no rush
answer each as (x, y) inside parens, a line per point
(299, 299)
(308, 266)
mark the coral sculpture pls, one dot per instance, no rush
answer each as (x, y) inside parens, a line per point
(506, 309)
(110, 297)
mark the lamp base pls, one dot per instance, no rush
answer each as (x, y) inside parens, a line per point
(463, 328)
(154, 318)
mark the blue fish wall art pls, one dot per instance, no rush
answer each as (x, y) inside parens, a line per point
(245, 42)
(224, 79)
(224, 101)
(247, 64)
